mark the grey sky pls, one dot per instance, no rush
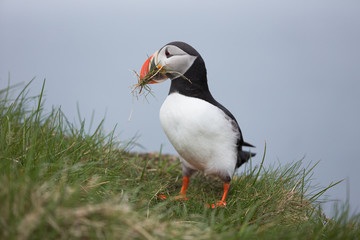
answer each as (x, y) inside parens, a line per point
(289, 71)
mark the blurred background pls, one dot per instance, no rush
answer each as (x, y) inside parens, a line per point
(289, 71)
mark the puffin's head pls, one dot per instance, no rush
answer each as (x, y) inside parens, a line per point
(176, 58)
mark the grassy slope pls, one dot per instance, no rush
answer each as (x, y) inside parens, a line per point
(57, 182)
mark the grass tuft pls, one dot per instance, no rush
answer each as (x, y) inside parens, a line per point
(59, 181)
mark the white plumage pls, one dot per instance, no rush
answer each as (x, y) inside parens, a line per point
(201, 133)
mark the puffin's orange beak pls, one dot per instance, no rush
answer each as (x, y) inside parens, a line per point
(148, 64)
(145, 68)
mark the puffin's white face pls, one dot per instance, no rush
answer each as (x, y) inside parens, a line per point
(171, 58)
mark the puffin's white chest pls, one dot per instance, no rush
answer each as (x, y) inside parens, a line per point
(200, 132)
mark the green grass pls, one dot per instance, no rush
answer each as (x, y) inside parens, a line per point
(58, 181)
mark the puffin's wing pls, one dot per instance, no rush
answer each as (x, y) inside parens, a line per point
(243, 156)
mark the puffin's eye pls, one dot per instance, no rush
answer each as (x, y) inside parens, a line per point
(167, 54)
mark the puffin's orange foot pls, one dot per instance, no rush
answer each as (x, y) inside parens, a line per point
(181, 197)
(162, 197)
(208, 205)
(221, 204)
(218, 204)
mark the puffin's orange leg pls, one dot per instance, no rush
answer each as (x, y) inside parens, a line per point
(182, 195)
(222, 202)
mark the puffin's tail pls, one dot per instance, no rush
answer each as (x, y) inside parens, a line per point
(246, 144)
(244, 156)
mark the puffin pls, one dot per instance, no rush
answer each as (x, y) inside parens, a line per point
(204, 133)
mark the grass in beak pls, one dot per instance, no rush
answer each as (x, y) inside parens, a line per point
(142, 84)
(156, 72)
